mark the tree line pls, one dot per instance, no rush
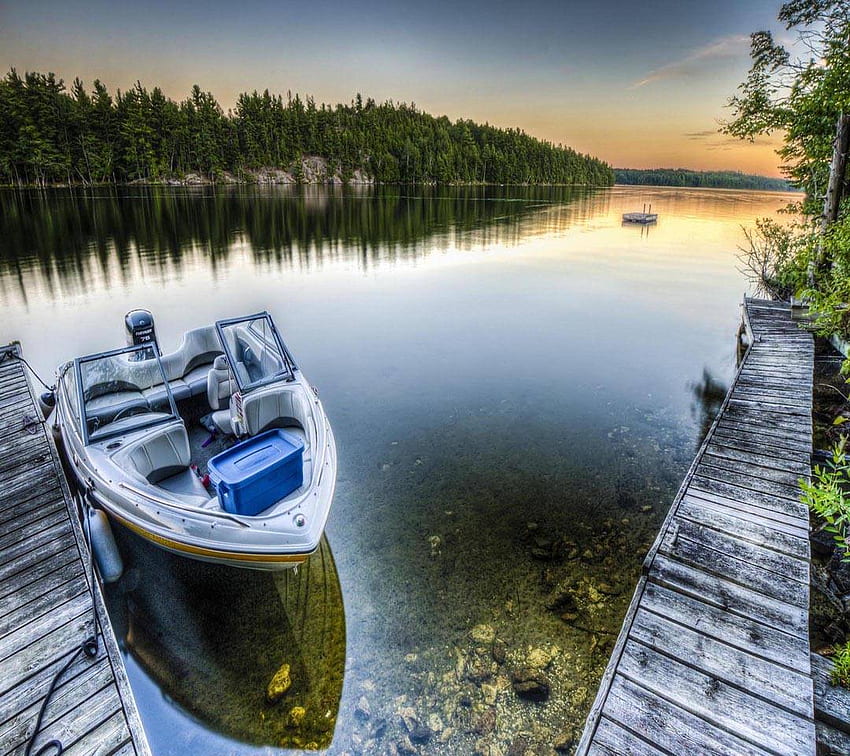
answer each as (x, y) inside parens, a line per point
(706, 179)
(50, 134)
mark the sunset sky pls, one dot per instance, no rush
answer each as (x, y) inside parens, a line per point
(638, 84)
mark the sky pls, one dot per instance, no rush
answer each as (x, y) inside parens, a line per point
(638, 84)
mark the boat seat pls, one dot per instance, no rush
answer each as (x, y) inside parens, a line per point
(106, 406)
(278, 407)
(219, 390)
(158, 455)
(185, 483)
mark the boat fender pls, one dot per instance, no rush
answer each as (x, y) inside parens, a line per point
(103, 546)
(46, 403)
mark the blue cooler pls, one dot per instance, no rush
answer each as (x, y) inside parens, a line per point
(254, 474)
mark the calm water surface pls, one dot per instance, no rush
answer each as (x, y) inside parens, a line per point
(517, 383)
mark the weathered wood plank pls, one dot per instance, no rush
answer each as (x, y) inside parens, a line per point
(740, 568)
(70, 693)
(752, 441)
(64, 639)
(762, 534)
(104, 739)
(771, 682)
(41, 596)
(613, 740)
(744, 633)
(668, 726)
(11, 570)
(43, 625)
(38, 574)
(730, 596)
(721, 480)
(831, 741)
(750, 469)
(11, 556)
(718, 703)
(779, 521)
(832, 704)
(792, 464)
(44, 520)
(82, 720)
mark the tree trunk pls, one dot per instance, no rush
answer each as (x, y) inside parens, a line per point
(835, 188)
(834, 191)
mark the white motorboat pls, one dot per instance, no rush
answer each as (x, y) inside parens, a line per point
(140, 430)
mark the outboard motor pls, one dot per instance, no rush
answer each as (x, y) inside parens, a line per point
(140, 330)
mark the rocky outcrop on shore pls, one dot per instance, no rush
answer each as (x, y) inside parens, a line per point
(310, 170)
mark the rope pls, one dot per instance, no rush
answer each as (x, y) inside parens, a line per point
(10, 355)
(89, 647)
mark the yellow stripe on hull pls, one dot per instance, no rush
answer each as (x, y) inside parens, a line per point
(204, 553)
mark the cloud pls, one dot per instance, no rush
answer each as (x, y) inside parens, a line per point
(725, 47)
(700, 134)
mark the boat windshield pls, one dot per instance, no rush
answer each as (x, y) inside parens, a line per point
(255, 351)
(121, 391)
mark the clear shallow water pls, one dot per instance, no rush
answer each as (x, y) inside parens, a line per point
(517, 383)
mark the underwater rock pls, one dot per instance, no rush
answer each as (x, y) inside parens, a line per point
(479, 669)
(486, 747)
(538, 659)
(362, 710)
(544, 549)
(407, 715)
(296, 715)
(563, 742)
(562, 598)
(578, 696)
(279, 684)
(483, 634)
(519, 746)
(530, 683)
(420, 734)
(484, 723)
(405, 747)
(499, 652)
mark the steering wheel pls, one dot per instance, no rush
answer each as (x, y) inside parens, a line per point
(129, 411)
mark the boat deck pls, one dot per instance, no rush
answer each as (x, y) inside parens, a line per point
(713, 656)
(46, 599)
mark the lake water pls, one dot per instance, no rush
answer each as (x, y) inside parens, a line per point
(517, 383)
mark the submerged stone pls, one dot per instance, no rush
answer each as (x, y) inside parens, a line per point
(280, 683)
(296, 715)
(483, 634)
(531, 684)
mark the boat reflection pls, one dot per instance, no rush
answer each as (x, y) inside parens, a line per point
(211, 638)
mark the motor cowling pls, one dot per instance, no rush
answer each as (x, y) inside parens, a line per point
(140, 330)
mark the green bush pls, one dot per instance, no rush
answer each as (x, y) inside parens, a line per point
(825, 495)
(840, 674)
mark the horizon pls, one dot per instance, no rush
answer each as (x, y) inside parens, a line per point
(542, 72)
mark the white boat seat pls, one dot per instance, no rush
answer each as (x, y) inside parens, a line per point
(220, 387)
(219, 384)
(187, 484)
(276, 407)
(158, 455)
(106, 406)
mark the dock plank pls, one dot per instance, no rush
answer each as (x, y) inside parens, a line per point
(713, 656)
(49, 605)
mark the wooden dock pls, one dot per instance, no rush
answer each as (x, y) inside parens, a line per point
(713, 656)
(47, 601)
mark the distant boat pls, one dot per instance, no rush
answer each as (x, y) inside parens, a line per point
(644, 217)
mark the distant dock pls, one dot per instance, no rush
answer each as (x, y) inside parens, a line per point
(713, 656)
(48, 603)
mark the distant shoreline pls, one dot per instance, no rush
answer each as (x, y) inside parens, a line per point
(687, 178)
